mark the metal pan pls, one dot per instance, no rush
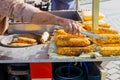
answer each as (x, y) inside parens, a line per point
(5, 41)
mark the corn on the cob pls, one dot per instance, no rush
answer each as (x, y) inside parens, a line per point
(87, 15)
(101, 24)
(70, 36)
(109, 45)
(111, 39)
(44, 37)
(105, 25)
(60, 32)
(102, 30)
(26, 40)
(72, 42)
(19, 44)
(73, 51)
(88, 27)
(107, 51)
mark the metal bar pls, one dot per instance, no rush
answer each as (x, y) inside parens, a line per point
(95, 17)
(77, 3)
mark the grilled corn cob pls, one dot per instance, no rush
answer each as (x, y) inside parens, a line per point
(73, 51)
(111, 39)
(26, 40)
(107, 51)
(19, 44)
(60, 32)
(44, 37)
(107, 31)
(105, 25)
(101, 30)
(101, 24)
(87, 15)
(72, 42)
(109, 45)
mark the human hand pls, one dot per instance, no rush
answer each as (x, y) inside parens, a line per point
(70, 26)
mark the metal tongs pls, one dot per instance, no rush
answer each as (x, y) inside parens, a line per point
(93, 35)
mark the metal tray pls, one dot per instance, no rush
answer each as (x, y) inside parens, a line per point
(19, 28)
(6, 40)
(61, 58)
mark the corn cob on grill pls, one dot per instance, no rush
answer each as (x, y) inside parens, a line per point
(73, 42)
(73, 51)
(101, 24)
(109, 45)
(107, 31)
(107, 51)
(111, 39)
(87, 15)
(102, 30)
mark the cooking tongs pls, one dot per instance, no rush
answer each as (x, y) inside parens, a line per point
(93, 35)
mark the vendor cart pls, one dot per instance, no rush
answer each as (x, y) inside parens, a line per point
(39, 57)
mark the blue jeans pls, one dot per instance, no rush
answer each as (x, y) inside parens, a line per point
(63, 4)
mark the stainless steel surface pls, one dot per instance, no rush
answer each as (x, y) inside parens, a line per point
(95, 13)
(93, 35)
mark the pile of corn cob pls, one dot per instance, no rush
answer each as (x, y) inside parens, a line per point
(109, 47)
(74, 44)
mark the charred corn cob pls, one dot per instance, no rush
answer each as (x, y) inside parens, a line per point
(73, 51)
(111, 39)
(72, 42)
(26, 40)
(107, 31)
(107, 51)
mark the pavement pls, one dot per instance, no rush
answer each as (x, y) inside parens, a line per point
(111, 9)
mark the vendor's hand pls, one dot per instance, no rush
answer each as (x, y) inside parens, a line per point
(70, 26)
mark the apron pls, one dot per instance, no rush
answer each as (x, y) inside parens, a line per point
(3, 24)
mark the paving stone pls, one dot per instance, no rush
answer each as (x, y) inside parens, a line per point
(112, 71)
(117, 62)
(114, 76)
(110, 65)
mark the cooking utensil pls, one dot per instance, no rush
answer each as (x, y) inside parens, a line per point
(93, 35)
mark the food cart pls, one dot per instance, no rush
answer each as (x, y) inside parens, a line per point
(41, 56)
